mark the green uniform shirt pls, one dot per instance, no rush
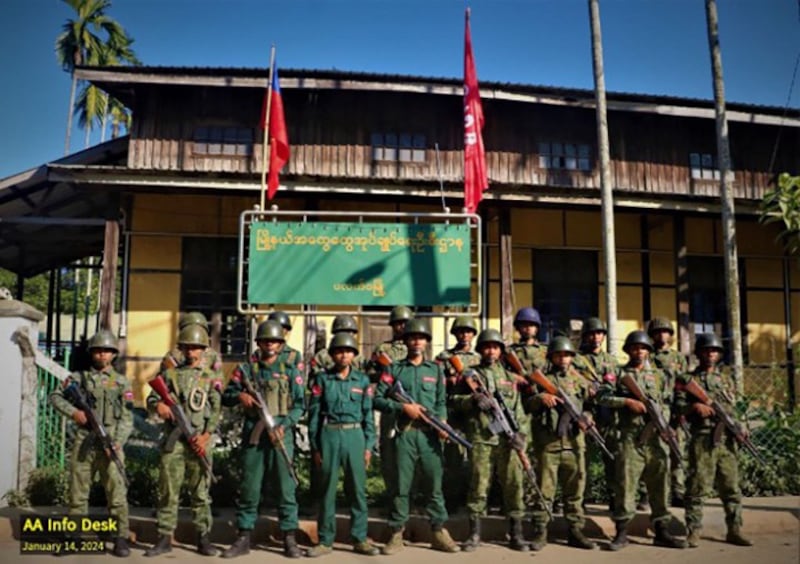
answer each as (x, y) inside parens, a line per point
(718, 384)
(594, 365)
(396, 349)
(341, 401)
(653, 383)
(673, 364)
(546, 419)
(424, 383)
(469, 359)
(322, 362)
(197, 391)
(532, 356)
(211, 359)
(292, 357)
(111, 396)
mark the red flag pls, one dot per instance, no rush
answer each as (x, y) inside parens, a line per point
(278, 137)
(475, 180)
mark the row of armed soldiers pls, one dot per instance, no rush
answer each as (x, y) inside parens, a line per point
(468, 416)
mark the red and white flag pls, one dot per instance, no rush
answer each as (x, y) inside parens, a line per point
(278, 136)
(475, 179)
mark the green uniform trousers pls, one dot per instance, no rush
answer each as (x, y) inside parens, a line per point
(566, 467)
(417, 446)
(88, 458)
(648, 462)
(715, 466)
(182, 467)
(257, 460)
(343, 447)
(484, 458)
(677, 474)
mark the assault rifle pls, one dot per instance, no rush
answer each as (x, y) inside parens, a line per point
(502, 421)
(267, 423)
(571, 411)
(725, 421)
(183, 425)
(74, 394)
(657, 420)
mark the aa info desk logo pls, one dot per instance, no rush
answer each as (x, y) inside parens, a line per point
(65, 534)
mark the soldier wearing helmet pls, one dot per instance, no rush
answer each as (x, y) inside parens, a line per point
(197, 389)
(492, 452)
(175, 358)
(713, 454)
(674, 365)
(416, 446)
(456, 465)
(283, 389)
(561, 445)
(287, 354)
(322, 361)
(112, 397)
(341, 431)
(394, 347)
(639, 455)
(594, 362)
(530, 351)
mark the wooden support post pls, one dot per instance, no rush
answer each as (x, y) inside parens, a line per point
(507, 304)
(109, 276)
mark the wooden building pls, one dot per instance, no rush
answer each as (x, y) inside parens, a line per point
(192, 161)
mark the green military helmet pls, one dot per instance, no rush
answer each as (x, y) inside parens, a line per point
(104, 339)
(193, 318)
(463, 322)
(282, 318)
(400, 313)
(659, 324)
(343, 340)
(344, 323)
(270, 329)
(593, 324)
(638, 338)
(193, 335)
(561, 344)
(707, 341)
(490, 336)
(417, 327)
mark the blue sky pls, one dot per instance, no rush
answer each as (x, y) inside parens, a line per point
(651, 47)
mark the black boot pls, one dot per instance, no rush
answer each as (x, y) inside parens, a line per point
(577, 539)
(620, 539)
(121, 548)
(205, 547)
(163, 546)
(290, 548)
(517, 540)
(665, 538)
(239, 547)
(474, 539)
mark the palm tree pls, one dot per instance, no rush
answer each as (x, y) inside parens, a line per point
(80, 42)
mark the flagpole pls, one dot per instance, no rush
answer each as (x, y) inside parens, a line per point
(265, 148)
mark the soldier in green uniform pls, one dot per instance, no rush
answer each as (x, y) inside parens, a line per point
(456, 464)
(111, 395)
(322, 361)
(490, 451)
(196, 389)
(396, 349)
(416, 445)
(639, 457)
(281, 385)
(175, 359)
(593, 362)
(341, 430)
(287, 355)
(561, 446)
(530, 351)
(711, 463)
(674, 365)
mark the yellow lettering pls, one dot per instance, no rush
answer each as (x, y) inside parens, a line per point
(32, 525)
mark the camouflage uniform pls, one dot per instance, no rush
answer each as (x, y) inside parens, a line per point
(109, 392)
(197, 391)
(674, 365)
(211, 359)
(292, 357)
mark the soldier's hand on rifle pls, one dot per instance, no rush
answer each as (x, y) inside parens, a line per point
(163, 410)
(482, 402)
(277, 434)
(635, 405)
(442, 434)
(703, 410)
(108, 451)
(550, 400)
(367, 458)
(412, 410)
(79, 416)
(316, 458)
(517, 442)
(247, 400)
(200, 442)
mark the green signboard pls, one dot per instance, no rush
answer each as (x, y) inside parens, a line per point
(359, 264)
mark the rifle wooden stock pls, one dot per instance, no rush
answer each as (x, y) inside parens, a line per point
(657, 420)
(383, 359)
(182, 422)
(586, 425)
(724, 418)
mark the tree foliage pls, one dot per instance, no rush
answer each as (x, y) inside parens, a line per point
(782, 205)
